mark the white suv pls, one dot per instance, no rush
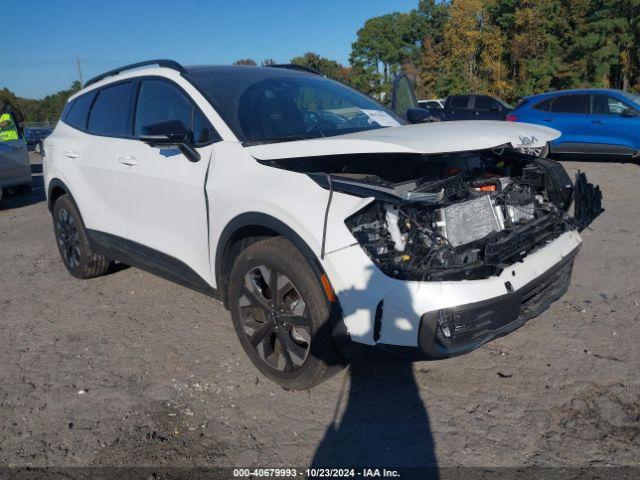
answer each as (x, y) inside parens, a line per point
(327, 225)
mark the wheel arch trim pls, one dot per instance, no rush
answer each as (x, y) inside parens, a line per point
(259, 220)
(57, 183)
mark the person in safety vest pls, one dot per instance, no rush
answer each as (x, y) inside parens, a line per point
(8, 127)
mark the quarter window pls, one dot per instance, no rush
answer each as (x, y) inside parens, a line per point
(110, 112)
(162, 106)
(571, 104)
(544, 105)
(78, 111)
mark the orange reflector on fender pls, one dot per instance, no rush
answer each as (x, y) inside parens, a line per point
(327, 288)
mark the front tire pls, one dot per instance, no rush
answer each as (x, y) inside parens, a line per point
(282, 315)
(78, 257)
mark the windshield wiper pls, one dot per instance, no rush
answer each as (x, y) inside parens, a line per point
(289, 138)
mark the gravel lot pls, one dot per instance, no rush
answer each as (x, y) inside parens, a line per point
(129, 369)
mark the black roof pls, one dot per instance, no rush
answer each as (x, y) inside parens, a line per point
(203, 69)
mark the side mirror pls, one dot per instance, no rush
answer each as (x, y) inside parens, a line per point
(172, 133)
(629, 112)
(496, 108)
(420, 115)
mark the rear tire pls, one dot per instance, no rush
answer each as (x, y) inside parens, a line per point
(287, 335)
(76, 253)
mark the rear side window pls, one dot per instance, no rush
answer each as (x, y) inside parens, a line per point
(571, 104)
(161, 105)
(110, 112)
(78, 111)
(459, 101)
(544, 105)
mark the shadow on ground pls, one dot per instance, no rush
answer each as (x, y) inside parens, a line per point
(384, 423)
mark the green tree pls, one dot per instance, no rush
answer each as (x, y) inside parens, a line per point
(383, 45)
(325, 66)
(245, 61)
(48, 108)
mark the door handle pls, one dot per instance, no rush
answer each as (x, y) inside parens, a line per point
(548, 119)
(71, 154)
(128, 160)
(597, 122)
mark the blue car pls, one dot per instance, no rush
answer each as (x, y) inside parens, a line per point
(592, 121)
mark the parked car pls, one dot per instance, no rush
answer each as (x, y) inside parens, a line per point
(325, 223)
(435, 104)
(15, 167)
(592, 121)
(455, 107)
(35, 136)
(475, 107)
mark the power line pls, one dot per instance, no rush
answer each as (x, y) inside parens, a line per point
(63, 61)
(40, 63)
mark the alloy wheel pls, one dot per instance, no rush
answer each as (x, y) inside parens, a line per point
(275, 319)
(68, 237)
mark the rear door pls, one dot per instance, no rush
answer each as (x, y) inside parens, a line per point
(614, 126)
(570, 114)
(90, 155)
(162, 191)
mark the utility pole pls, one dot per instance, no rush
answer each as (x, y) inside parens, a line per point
(79, 69)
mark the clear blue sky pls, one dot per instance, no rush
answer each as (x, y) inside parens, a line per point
(42, 37)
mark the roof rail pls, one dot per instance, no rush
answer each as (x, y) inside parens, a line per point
(295, 66)
(161, 63)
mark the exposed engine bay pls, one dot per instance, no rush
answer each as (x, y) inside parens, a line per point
(453, 216)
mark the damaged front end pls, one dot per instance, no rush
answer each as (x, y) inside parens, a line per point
(454, 216)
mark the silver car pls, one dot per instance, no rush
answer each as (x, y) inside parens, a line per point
(15, 168)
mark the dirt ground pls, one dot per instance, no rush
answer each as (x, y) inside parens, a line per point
(129, 369)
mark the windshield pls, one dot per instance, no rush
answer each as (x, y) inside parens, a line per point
(634, 98)
(263, 105)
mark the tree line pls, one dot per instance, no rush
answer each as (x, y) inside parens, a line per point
(506, 48)
(45, 109)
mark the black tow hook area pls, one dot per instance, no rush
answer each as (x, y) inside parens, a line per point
(588, 201)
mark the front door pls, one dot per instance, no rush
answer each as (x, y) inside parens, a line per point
(614, 125)
(161, 190)
(487, 108)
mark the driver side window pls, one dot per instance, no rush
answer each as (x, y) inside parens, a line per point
(162, 106)
(606, 105)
